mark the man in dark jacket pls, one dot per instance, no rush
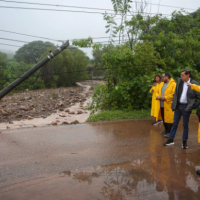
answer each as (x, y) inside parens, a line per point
(184, 100)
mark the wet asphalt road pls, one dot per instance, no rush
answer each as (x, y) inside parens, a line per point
(111, 160)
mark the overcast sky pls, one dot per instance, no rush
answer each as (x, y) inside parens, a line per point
(67, 25)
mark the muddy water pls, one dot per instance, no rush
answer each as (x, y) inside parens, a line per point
(114, 161)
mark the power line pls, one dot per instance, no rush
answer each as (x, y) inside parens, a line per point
(56, 5)
(48, 38)
(29, 35)
(42, 44)
(143, 37)
(9, 45)
(78, 71)
(43, 9)
(24, 42)
(155, 36)
(14, 40)
(166, 5)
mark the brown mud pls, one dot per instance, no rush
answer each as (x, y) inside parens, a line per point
(47, 107)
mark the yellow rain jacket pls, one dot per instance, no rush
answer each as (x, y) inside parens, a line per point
(155, 104)
(197, 89)
(169, 92)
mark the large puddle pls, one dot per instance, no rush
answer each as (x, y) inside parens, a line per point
(139, 166)
(157, 178)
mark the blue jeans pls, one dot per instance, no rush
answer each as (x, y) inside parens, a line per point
(177, 116)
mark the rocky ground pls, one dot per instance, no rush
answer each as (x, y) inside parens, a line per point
(46, 102)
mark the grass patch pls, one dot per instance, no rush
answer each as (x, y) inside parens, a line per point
(194, 111)
(114, 115)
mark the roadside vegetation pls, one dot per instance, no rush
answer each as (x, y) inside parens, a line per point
(139, 48)
(114, 115)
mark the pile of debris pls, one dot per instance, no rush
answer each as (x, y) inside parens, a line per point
(42, 103)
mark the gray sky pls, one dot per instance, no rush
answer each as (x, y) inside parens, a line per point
(66, 25)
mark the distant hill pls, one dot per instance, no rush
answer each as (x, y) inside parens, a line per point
(9, 53)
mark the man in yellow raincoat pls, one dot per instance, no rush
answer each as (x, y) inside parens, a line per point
(184, 101)
(165, 94)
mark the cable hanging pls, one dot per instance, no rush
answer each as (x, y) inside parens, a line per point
(66, 6)
(44, 9)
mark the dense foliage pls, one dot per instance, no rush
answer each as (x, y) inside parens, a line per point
(31, 52)
(56, 73)
(146, 46)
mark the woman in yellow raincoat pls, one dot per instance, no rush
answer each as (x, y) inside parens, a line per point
(155, 105)
(168, 99)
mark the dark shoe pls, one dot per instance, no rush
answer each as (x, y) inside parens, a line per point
(163, 132)
(167, 135)
(198, 172)
(169, 142)
(184, 145)
(155, 123)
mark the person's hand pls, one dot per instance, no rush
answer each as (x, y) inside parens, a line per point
(189, 85)
(162, 98)
(152, 90)
(154, 84)
(158, 98)
(186, 110)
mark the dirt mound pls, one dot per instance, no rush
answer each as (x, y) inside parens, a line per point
(42, 103)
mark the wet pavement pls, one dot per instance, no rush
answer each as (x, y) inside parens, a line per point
(111, 160)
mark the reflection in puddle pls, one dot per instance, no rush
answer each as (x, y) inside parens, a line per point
(170, 177)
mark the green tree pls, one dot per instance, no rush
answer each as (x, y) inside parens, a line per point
(13, 70)
(177, 41)
(133, 75)
(62, 67)
(31, 52)
(80, 64)
(3, 62)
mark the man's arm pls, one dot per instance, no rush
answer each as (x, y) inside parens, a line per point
(194, 87)
(196, 102)
(169, 98)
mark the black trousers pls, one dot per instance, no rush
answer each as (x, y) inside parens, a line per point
(168, 126)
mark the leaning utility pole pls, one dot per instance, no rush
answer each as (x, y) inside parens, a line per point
(31, 71)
